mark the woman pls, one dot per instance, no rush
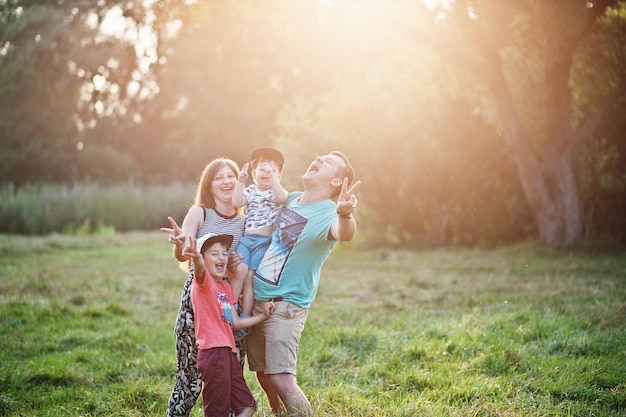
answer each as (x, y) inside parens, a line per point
(212, 212)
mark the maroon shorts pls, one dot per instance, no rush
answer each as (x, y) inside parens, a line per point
(223, 385)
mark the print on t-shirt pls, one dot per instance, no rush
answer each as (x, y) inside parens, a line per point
(222, 299)
(287, 229)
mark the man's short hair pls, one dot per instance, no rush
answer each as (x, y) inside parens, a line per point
(348, 171)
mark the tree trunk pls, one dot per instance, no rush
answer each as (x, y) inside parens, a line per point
(546, 176)
(550, 189)
(557, 162)
(564, 191)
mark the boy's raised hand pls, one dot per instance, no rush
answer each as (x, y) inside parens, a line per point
(243, 174)
(191, 249)
(265, 168)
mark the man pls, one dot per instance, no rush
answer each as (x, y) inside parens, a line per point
(305, 232)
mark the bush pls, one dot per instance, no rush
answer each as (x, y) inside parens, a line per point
(91, 208)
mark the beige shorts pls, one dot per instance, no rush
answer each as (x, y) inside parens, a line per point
(272, 347)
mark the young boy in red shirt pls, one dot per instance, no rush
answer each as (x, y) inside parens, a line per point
(223, 384)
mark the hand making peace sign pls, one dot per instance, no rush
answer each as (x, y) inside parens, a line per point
(177, 237)
(346, 202)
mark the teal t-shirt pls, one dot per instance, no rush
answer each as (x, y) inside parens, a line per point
(292, 264)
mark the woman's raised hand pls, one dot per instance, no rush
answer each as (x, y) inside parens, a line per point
(176, 235)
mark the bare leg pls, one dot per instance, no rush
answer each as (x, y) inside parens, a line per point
(289, 392)
(247, 294)
(238, 279)
(246, 412)
(272, 396)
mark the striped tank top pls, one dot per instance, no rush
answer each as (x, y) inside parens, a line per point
(214, 222)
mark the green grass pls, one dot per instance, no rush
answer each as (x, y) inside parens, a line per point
(86, 324)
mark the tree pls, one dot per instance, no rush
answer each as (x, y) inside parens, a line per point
(601, 159)
(229, 70)
(535, 41)
(60, 74)
(433, 170)
(530, 80)
(35, 131)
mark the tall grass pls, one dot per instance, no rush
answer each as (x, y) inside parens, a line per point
(86, 326)
(90, 208)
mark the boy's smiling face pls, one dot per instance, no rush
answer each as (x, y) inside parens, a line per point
(263, 172)
(216, 259)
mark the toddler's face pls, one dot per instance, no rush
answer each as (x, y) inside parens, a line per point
(264, 171)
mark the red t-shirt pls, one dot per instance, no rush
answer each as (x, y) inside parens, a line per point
(213, 318)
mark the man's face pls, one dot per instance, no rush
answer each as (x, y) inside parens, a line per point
(325, 169)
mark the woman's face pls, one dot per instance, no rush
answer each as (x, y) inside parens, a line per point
(223, 184)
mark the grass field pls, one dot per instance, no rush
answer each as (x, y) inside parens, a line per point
(86, 325)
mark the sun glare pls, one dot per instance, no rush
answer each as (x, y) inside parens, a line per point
(431, 4)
